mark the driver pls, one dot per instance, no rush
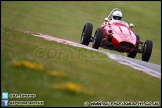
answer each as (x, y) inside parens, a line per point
(116, 17)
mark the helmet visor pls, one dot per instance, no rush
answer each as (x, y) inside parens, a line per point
(117, 17)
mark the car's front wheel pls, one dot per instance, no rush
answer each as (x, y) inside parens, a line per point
(86, 34)
(97, 38)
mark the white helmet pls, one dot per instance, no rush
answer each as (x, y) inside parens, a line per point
(117, 15)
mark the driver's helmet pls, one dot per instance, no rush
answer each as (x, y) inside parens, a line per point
(117, 15)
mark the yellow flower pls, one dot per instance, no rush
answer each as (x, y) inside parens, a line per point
(70, 86)
(56, 73)
(28, 64)
(73, 87)
(40, 67)
(67, 86)
(16, 63)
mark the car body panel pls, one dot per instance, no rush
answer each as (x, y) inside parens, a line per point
(120, 33)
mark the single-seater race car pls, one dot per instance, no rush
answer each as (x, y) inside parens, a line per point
(116, 36)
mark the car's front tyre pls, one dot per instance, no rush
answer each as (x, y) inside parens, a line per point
(86, 34)
(97, 38)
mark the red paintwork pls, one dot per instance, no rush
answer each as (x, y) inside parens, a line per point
(120, 33)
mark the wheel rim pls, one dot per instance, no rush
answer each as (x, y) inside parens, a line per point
(94, 40)
(144, 49)
(82, 38)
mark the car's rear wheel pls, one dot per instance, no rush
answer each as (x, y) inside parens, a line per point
(86, 34)
(147, 50)
(132, 54)
(97, 38)
(138, 39)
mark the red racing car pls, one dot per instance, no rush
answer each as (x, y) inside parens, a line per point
(114, 35)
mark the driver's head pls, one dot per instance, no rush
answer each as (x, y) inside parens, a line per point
(117, 15)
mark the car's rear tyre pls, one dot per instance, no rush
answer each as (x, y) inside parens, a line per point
(86, 34)
(97, 38)
(138, 40)
(132, 54)
(147, 50)
(138, 37)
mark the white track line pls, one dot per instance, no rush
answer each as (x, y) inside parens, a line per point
(110, 55)
(134, 65)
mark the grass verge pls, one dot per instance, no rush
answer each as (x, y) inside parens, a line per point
(70, 75)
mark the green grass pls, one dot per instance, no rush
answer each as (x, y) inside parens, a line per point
(66, 19)
(108, 80)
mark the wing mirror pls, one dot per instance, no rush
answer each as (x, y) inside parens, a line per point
(106, 19)
(131, 25)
